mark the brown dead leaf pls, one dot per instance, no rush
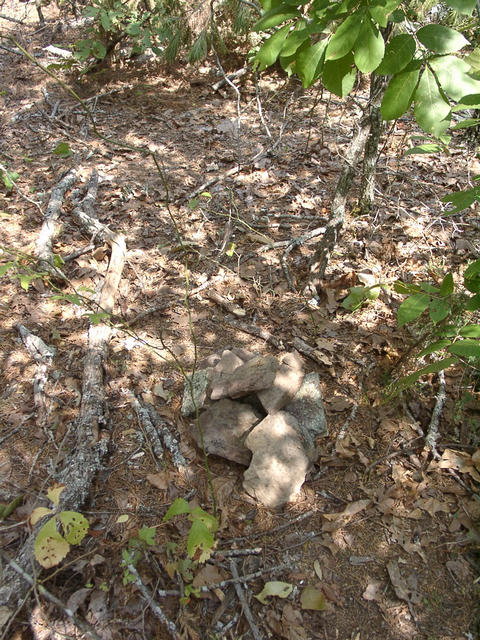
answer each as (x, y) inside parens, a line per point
(292, 624)
(159, 480)
(460, 461)
(432, 506)
(402, 589)
(342, 447)
(339, 403)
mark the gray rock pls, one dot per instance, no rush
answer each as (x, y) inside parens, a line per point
(279, 462)
(307, 407)
(244, 354)
(225, 425)
(200, 382)
(255, 375)
(287, 382)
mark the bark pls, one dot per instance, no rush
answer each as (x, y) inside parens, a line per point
(370, 157)
(85, 459)
(337, 216)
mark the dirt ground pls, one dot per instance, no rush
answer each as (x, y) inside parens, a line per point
(386, 534)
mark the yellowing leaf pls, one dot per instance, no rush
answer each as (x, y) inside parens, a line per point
(38, 513)
(75, 526)
(123, 518)
(50, 547)
(274, 588)
(312, 599)
(53, 494)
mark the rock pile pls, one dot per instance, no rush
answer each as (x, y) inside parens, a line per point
(260, 412)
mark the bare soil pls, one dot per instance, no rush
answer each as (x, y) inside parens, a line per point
(385, 533)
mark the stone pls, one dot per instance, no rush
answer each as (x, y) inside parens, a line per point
(200, 382)
(279, 462)
(225, 424)
(287, 382)
(244, 354)
(307, 408)
(254, 375)
(227, 363)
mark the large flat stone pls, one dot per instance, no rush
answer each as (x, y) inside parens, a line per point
(287, 382)
(279, 461)
(255, 375)
(200, 382)
(225, 425)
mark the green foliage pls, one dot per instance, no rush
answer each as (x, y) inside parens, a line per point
(51, 546)
(8, 178)
(199, 544)
(135, 550)
(359, 295)
(63, 150)
(444, 314)
(332, 41)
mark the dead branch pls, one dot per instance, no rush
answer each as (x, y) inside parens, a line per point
(51, 227)
(86, 457)
(43, 356)
(148, 427)
(243, 601)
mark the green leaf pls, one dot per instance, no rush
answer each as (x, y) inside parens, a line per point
(447, 286)
(294, 41)
(200, 539)
(382, 9)
(275, 16)
(399, 94)
(473, 303)
(50, 547)
(358, 295)
(466, 124)
(431, 107)
(178, 507)
(63, 150)
(412, 308)
(461, 199)
(425, 148)
(122, 518)
(398, 53)
(208, 520)
(133, 29)
(270, 49)
(5, 267)
(466, 348)
(435, 367)
(339, 75)
(439, 310)
(274, 588)
(344, 37)
(470, 331)
(91, 12)
(369, 47)
(25, 280)
(75, 526)
(462, 6)
(406, 289)
(432, 348)
(471, 277)
(429, 288)
(147, 535)
(440, 39)
(452, 73)
(309, 63)
(97, 318)
(99, 50)
(313, 599)
(8, 178)
(105, 20)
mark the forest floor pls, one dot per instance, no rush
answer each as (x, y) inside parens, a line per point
(384, 532)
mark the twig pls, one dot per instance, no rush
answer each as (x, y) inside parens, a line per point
(78, 252)
(4, 17)
(297, 242)
(243, 601)
(157, 610)
(256, 331)
(247, 578)
(151, 432)
(432, 433)
(229, 77)
(268, 532)
(83, 625)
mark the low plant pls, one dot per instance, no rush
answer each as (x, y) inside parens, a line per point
(51, 546)
(445, 316)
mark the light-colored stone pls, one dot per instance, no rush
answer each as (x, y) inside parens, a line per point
(227, 363)
(255, 375)
(224, 425)
(307, 407)
(287, 382)
(279, 462)
(200, 382)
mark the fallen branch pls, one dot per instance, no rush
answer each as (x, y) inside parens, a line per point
(432, 433)
(85, 459)
(43, 356)
(256, 331)
(243, 601)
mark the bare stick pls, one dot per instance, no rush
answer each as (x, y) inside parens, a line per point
(432, 433)
(81, 624)
(156, 608)
(243, 601)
